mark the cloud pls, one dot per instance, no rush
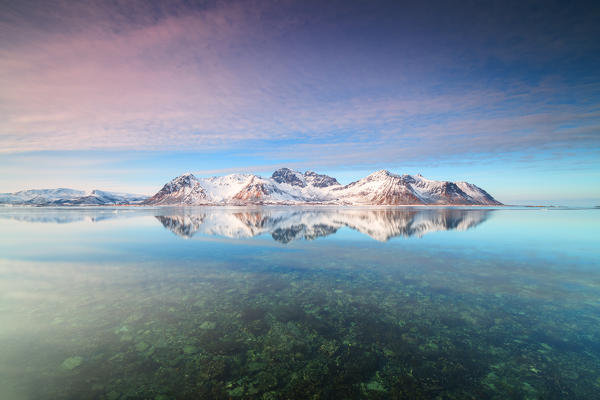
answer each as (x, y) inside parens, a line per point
(263, 78)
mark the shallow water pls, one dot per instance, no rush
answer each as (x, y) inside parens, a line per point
(272, 303)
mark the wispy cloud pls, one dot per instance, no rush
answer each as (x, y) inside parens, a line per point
(328, 85)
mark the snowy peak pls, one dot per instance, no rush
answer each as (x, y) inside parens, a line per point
(187, 179)
(381, 174)
(381, 188)
(183, 190)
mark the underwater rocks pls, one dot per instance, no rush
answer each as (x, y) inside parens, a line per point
(258, 332)
(72, 362)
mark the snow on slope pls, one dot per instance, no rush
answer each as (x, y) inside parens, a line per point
(183, 190)
(477, 193)
(384, 188)
(36, 196)
(222, 188)
(284, 187)
(379, 188)
(287, 186)
(62, 196)
(242, 189)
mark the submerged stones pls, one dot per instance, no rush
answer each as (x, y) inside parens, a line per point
(375, 386)
(142, 346)
(71, 363)
(189, 349)
(321, 334)
(206, 325)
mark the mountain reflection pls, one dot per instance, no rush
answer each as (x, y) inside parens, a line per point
(283, 224)
(288, 225)
(65, 215)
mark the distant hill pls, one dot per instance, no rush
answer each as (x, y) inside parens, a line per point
(69, 197)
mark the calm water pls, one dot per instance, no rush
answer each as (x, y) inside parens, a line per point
(287, 303)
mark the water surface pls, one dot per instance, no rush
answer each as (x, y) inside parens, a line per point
(271, 303)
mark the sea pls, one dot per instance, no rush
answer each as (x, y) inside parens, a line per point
(299, 303)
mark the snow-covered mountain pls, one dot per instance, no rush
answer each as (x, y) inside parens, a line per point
(287, 186)
(69, 197)
(384, 188)
(183, 190)
(285, 226)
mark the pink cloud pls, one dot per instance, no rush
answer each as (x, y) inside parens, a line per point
(223, 76)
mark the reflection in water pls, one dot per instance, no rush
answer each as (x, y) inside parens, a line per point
(67, 215)
(283, 224)
(287, 225)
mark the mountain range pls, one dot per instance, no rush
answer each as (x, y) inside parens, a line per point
(291, 187)
(284, 187)
(69, 197)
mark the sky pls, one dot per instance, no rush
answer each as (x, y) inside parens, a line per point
(124, 95)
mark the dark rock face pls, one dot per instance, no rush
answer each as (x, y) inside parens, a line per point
(319, 180)
(286, 175)
(295, 178)
(187, 180)
(452, 194)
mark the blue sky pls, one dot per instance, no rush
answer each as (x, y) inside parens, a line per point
(126, 95)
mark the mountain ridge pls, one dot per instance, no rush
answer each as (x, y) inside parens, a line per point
(69, 197)
(290, 187)
(284, 187)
